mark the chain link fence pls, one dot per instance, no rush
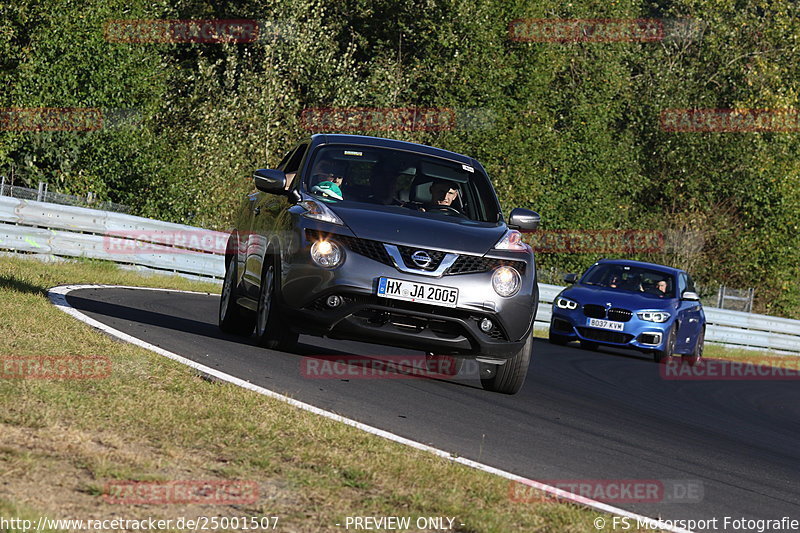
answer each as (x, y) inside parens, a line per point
(43, 195)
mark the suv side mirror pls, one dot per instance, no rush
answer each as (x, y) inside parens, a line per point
(571, 278)
(523, 219)
(269, 180)
(690, 296)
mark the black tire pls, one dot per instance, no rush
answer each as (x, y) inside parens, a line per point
(697, 355)
(271, 331)
(662, 356)
(589, 345)
(555, 338)
(509, 377)
(233, 318)
(443, 365)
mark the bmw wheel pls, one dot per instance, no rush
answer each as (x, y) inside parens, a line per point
(662, 356)
(697, 354)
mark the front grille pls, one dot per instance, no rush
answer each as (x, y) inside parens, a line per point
(471, 264)
(371, 249)
(602, 335)
(435, 255)
(594, 311)
(619, 315)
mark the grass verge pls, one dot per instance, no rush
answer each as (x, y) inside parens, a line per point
(153, 419)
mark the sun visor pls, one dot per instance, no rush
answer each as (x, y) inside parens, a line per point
(444, 172)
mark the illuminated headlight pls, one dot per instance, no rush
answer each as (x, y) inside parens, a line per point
(506, 281)
(327, 254)
(654, 316)
(566, 303)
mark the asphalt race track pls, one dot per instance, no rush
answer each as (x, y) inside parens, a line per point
(581, 415)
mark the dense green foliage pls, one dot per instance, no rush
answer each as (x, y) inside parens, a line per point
(569, 129)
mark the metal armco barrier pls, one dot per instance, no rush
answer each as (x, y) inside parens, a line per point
(58, 231)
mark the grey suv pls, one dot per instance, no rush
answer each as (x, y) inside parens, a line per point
(387, 242)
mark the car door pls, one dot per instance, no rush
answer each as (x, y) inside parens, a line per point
(266, 211)
(688, 317)
(695, 319)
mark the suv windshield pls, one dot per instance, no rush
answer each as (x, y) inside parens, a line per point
(384, 176)
(631, 278)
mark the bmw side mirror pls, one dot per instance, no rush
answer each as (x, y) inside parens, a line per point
(523, 219)
(270, 181)
(571, 278)
(690, 296)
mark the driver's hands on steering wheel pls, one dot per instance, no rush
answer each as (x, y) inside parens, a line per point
(445, 208)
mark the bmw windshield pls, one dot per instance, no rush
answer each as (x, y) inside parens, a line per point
(631, 278)
(407, 180)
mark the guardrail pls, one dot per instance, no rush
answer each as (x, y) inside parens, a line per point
(58, 231)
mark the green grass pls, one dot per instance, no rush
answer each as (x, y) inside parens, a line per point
(154, 419)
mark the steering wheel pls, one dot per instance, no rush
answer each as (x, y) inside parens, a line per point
(446, 208)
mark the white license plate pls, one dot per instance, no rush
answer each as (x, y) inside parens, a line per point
(606, 324)
(411, 291)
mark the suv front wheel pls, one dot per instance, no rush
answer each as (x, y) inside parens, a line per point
(509, 377)
(271, 331)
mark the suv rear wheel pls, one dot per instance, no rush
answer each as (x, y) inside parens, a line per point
(232, 317)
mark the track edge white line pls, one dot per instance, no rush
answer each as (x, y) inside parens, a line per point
(58, 297)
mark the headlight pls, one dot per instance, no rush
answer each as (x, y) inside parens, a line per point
(327, 254)
(512, 240)
(319, 211)
(566, 303)
(653, 316)
(506, 281)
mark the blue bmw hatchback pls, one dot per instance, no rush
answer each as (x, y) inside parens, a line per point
(631, 304)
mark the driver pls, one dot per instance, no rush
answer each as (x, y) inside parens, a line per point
(443, 193)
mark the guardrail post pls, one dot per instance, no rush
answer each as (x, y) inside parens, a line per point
(40, 191)
(3, 186)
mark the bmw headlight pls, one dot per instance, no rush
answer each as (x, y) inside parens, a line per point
(653, 316)
(566, 303)
(327, 254)
(506, 281)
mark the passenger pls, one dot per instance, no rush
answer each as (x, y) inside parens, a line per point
(328, 189)
(327, 170)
